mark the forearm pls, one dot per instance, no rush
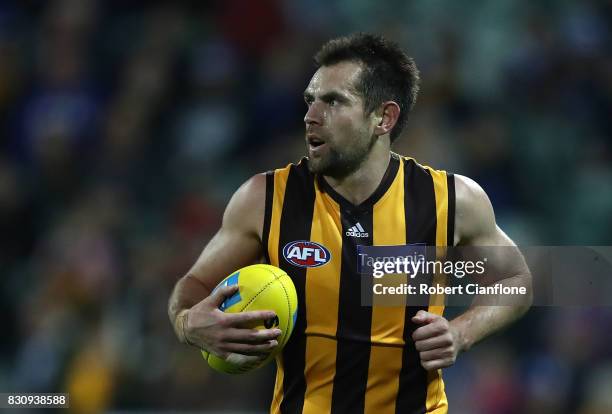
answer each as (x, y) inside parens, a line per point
(490, 313)
(187, 292)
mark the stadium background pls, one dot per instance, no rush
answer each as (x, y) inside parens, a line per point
(125, 129)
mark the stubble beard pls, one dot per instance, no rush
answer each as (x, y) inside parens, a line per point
(340, 164)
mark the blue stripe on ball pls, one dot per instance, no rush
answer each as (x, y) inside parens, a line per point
(235, 298)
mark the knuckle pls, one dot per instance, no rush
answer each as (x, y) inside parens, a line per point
(253, 335)
(440, 328)
(222, 337)
(222, 322)
(215, 317)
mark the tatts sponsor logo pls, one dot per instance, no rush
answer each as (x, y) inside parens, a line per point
(304, 253)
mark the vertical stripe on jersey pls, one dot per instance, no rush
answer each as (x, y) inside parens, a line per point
(450, 234)
(279, 185)
(387, 322)
(265, 232)
(296, 221)
(440, 181)
(420, 210)
(322, 287)
(354, 321)
(435, 387)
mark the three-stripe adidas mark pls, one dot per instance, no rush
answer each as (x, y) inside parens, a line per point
(357, 231)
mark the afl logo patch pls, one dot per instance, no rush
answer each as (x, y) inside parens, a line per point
(303, 253)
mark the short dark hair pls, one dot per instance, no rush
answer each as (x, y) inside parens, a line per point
(388, 72)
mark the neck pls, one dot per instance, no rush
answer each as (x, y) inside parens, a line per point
(357, 186)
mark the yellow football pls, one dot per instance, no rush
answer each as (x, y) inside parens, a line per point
(260, 287)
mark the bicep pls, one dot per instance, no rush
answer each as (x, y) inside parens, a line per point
(238, 241)
(474, 217)
(227, 251)
(477, 230)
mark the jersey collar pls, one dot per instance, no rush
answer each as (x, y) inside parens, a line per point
(382, 188)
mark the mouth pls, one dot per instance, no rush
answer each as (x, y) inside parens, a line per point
(314, 141)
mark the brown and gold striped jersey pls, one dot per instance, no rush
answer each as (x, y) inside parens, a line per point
(344, 357)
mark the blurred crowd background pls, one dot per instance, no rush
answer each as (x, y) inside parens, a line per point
(126, 127)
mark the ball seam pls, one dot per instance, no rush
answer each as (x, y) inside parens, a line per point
(261, 291)
(287, 300)
(289, 308)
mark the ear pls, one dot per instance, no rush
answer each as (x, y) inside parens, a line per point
(387, 118)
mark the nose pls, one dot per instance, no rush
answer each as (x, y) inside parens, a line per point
(313, 115)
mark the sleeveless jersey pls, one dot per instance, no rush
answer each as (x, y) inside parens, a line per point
(344, 357)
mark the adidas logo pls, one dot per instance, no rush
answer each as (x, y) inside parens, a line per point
(357, 231)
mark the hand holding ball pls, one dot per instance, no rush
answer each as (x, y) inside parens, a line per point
(261, 287)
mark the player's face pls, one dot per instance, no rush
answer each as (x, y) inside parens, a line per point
(339, 135)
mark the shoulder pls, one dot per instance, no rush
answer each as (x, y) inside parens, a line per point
(412, 165)
(474, 216)
(254, 186)
(469, 193)
(253, 191)
(299, 168)
(245, 209)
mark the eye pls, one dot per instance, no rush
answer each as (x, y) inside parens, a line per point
(308, 100)
(333, 102)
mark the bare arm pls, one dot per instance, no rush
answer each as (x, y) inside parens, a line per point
(193, 313)
(236, 244)
(438, 340)
(476, 227)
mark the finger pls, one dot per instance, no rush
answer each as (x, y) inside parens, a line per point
(439, 341)
(249, 349)
(430, 330)
(434, 354)
(243, 360)
(436, 364)
(221, 293)
(251, 336)
(244, 318)
(424, 317)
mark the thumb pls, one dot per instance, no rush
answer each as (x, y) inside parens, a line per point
(423, 317)
(218, 296)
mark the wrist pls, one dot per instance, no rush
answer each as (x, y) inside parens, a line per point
(462, 341)
(180, 326)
